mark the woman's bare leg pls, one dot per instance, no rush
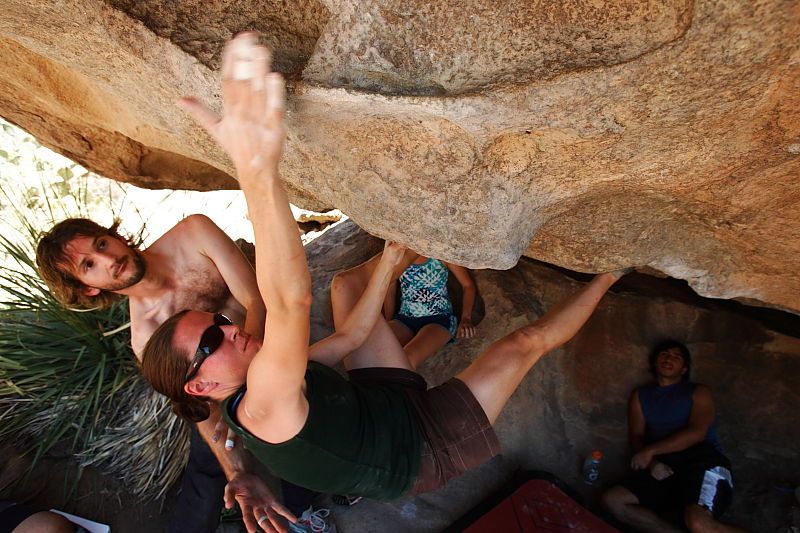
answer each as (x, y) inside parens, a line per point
(381, 349)
(428, 340)
(401, 331)
(498, 371)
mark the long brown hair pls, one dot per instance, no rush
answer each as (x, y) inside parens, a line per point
(165, 365)
(53, 265)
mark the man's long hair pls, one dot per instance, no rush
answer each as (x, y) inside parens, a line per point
(54, 266)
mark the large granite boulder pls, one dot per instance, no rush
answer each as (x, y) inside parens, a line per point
(587, 135)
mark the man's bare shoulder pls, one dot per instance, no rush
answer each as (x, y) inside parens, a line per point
(186, 234)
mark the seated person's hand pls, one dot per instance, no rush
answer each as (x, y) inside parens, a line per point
(642, 459)
(659, 470)
(260, 508)
(465, 330)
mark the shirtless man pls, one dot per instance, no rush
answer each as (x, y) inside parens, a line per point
(195, 265)
(192, 266)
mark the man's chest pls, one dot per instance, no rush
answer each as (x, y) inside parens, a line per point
(200, 290)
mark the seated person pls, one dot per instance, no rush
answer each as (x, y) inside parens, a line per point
(678, 459)
(380, 433)
(425, 321)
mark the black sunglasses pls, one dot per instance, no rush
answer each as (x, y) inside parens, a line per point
(210, 340)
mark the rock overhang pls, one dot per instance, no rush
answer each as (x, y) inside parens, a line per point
(607, 135)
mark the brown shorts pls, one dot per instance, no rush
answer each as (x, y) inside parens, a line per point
(456, 434)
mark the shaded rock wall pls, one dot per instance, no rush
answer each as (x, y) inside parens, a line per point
(575, 399)
(588, 136)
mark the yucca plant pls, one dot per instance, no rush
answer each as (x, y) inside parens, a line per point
(69, 379)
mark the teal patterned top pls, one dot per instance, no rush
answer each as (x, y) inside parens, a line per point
(423, 290)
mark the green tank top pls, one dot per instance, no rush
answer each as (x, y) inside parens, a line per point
(360, 440)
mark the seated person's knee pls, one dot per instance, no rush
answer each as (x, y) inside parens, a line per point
(343, 282)
(696, 518)
(45, 521)
(614, 498)
(608, 499)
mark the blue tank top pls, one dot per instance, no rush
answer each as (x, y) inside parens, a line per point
(667, 410)
(423, 290)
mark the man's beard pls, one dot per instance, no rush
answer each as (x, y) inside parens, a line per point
(138, 270)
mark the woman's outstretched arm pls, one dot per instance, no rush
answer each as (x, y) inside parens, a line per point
(252, 131)
(352, 334)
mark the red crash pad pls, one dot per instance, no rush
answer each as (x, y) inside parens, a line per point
(538, 506)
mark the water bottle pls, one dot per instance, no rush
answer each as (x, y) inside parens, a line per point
(591, 468)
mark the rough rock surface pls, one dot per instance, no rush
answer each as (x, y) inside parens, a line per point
(588, 135)
(575, 399)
